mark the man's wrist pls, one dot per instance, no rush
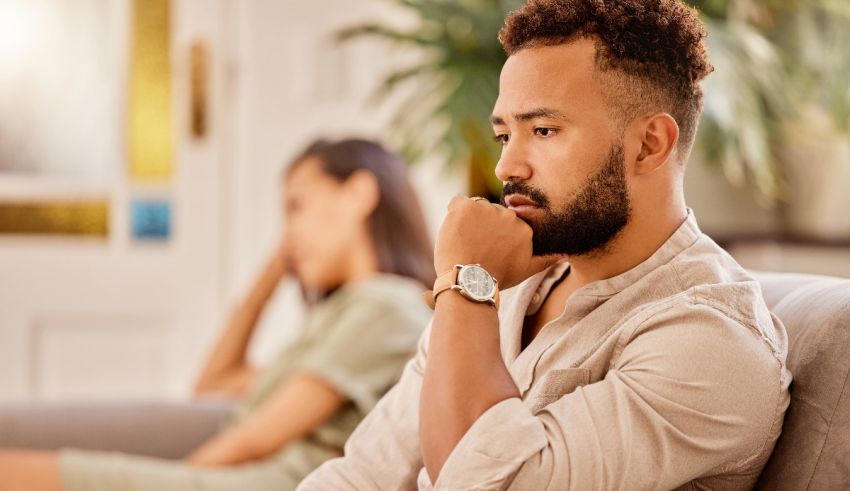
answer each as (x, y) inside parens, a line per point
(457, 297)
(473, 316)
(471, 281)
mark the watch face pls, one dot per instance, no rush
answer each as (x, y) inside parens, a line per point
(477, 282)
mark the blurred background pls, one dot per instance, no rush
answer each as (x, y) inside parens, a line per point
(142, 143)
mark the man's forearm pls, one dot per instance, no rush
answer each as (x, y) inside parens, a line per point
(464, 377)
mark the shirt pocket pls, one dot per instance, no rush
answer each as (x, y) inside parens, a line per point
(558, 383)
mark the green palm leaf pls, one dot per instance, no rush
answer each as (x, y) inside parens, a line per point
(455, 85)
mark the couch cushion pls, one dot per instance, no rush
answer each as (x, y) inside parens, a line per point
(813, 451)
(155, 429)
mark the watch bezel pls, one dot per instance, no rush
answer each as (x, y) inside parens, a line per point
(465, 268)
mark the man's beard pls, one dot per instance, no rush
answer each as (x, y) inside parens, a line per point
(590, 220)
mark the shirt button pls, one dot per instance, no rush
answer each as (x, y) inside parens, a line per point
(535, 298)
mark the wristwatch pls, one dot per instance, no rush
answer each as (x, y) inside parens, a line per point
(470, 280)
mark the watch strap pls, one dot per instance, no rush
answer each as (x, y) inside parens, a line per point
(448, 281)
(443, 282)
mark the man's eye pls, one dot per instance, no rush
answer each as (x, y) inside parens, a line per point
(501, 139)
(544, 132)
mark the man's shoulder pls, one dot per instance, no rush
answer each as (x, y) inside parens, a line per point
(717, 321)
(706, 285)
(736, 301)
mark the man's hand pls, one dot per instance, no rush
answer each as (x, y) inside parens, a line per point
(479, 232)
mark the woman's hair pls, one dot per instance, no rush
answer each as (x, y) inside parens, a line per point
(397, 225)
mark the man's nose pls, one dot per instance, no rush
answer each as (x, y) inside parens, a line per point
(513, 164)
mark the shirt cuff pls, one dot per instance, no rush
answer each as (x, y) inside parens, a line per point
(495, 447)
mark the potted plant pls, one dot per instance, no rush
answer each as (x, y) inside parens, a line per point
(814, 146)
(744, 100)
(776, 115)
(455, 83)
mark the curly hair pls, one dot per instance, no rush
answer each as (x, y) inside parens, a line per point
(654, 49)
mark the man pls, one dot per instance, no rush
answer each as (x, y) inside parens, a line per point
(635, 353)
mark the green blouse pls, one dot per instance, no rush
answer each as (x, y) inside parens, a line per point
(357, 340)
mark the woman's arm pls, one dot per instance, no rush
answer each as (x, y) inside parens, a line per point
(299, 406)
(226, 370)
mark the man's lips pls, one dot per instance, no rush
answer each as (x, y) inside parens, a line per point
(521, 205)
(518, 202)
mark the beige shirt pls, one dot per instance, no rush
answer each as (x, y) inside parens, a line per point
(670, 374)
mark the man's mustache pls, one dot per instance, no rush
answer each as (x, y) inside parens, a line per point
(524, 189)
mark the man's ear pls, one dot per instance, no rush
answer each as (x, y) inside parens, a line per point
(658, 135)
(363, 191)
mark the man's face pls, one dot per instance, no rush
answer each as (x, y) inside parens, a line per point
(562, 159)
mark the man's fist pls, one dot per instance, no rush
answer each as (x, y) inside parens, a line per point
(479, 232)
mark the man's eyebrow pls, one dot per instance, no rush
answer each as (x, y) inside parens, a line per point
(540, 112)
(537, 113)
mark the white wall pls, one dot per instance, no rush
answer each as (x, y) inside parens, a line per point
(115, 318)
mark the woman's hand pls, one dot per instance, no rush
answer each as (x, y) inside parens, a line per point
(301, 404)
(226, 449)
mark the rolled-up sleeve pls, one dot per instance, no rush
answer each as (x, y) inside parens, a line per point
(692, 392)
(363, 350)
(499, 442)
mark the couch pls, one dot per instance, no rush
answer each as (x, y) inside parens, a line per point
(813, 451)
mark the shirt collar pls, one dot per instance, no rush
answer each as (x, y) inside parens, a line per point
(685, 236)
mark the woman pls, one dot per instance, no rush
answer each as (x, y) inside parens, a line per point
(356, 240)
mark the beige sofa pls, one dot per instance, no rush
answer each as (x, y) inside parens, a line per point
(813, 452)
